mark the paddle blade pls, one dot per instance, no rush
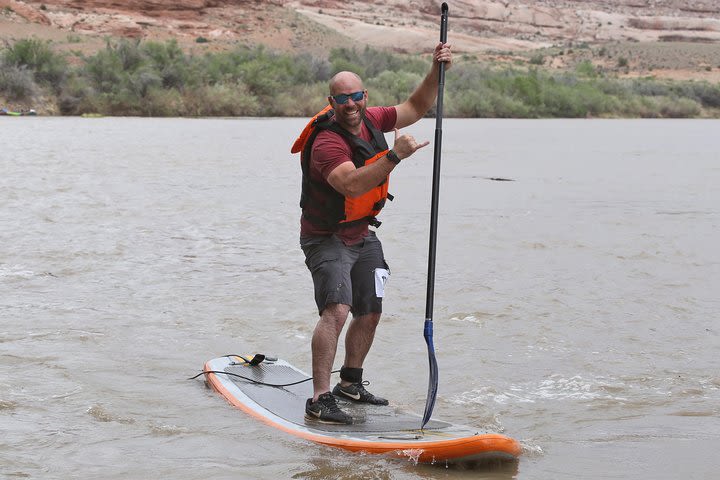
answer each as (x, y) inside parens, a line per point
(433, 380)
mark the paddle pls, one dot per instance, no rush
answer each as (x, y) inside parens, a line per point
(428, 330)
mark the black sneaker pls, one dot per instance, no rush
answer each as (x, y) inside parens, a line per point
(325, 410)
(357, 392)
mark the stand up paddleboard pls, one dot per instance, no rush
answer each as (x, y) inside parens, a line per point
(376, 429)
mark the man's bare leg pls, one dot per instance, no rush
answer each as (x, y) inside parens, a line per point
(358, 340)
(324, 345)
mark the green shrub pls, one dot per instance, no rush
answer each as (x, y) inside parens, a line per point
(299, 101)
(130, 77)
(537, 59)
(169, 62)
(674, 107)
(650, 88)
(586, 69)
(222, 100)
(17, 83)
(130, 54)
(527, 88)
(704, 92)
(470, 104)
(163, 102)
(123, 102)
(75, 98)
(104, 70)
(142, 81)
(47, 67)
(508, 107)
(369, 62)
(342, 65)
(391, 88)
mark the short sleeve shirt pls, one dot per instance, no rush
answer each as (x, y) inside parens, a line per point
(328, 152)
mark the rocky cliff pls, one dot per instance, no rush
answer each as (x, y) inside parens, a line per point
(403, 25)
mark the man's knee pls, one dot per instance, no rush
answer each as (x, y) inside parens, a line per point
(336, 313)
(369, 319)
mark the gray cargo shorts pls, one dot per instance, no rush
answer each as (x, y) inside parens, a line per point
(352, 275)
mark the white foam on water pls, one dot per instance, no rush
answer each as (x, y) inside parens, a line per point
(556, 387)
(467, 319)
(15, 271)
(168, 430)
(413, 454)
(102, 414)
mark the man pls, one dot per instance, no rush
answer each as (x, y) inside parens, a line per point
(346, 167)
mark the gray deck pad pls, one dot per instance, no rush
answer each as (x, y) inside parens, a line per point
(289, 403)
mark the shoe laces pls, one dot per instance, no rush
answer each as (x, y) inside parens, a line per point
(330, 403)
(361, 385)
(360, 388)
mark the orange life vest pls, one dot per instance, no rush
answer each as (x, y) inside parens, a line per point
(321, 204)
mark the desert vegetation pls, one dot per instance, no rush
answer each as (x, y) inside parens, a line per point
(144, 78)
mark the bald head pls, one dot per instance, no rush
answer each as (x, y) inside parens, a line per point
(345, 81)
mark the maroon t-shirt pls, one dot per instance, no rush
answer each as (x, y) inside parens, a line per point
(328, 152)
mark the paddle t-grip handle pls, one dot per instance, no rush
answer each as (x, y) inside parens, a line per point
(443, 22)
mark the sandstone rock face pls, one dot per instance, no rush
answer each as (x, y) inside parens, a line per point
(404, 25)
(26, 11)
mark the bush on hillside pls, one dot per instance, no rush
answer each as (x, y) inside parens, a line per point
(17, 83)
(37, 56)
(130, 77)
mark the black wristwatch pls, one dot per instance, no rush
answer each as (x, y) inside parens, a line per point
(392, 156)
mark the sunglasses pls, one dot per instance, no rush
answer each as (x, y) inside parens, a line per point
(343, 98)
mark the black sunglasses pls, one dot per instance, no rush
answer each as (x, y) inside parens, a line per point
(343, 98)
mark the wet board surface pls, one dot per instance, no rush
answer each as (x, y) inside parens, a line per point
(375, 429)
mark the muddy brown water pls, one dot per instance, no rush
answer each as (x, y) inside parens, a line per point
(576, 306)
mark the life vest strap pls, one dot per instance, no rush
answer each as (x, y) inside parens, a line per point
(322, 116)
(320, 222)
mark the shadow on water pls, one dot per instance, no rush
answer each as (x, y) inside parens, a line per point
(362, 467)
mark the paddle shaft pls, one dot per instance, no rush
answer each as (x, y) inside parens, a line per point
(436, 176)
(428, 329)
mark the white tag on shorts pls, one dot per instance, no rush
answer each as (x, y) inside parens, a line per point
(381, 276)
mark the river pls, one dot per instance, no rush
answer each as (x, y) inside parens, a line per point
(577, 304)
